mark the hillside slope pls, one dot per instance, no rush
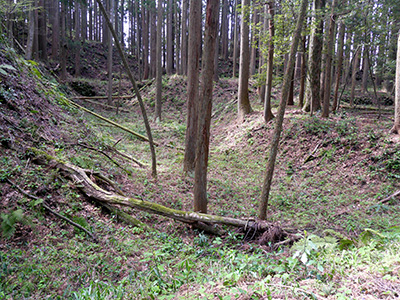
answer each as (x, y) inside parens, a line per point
(330, 179)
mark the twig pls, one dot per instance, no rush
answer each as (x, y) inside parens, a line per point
(295, 288)
(311, 156)
(106, 155)
(387, 199)
(106, 106)
(92, 235)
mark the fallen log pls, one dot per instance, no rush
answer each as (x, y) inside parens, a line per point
(93, 191)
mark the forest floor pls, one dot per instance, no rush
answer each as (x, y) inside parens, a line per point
(330, 179)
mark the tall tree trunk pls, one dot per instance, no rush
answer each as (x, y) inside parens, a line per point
(203, 132)
(303, 72)
(110, 56)
(170, 38)
(356, 62)
(159, 66)
(342, 29)
(262, 214)
(184, 38)
(268, 116)
(84, 22)
(328, 62)
(153, 40)
(192, 85)
(224, 29)
(365, 69)
(396, 126)
(290, 99)
(244, 107)
(31, 33)
(55, 34)
(122, 20)
(313, 101)
(235, 40)
(145, 35)
(254, 40)
(42, 31)
(77, 40)
(63, 45)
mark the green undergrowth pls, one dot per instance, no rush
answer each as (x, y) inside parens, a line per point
(330, 178)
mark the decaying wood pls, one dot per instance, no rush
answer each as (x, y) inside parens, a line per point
(92, 190)
(44, 205)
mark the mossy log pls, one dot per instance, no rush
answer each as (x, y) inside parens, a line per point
(92, 190)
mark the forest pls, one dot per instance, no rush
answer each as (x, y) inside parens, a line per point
(215, 149)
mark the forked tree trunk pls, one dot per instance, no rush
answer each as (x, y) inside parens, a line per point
(192, 85)
(203, 130)
(262, 213)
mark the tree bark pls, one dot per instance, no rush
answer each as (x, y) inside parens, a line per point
(268, 116)
(42, 31)
(170, 38)
(235, 40)
(339, 66)
(244, 107)
(262, 214)
(313, 102)
(254, 40)
(396, 126)
(328, 62)
(356, 62)
(184, 38)
(303, 73)
(192, 85)
(154, 37)
(203, 127)
(159, 66)
(55, 43)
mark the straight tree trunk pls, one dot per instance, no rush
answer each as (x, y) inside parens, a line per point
(145, 35)
(313, 101)
(110, 57)
(254, 40)
(184, 38)
(328, 62)
(303, 72)
(268, 116)
(224, 29)
(55, 34)
(159, 66)
(235, 40)
(77, 39)
(356, 62)
(192, 85)
(262, 214)
(244, 107)
(342, 29)
(153, 40)
(63, 46)
(365, 69)
(42, 31)
(31, 34)
(170, 38)
(396, 126)
(203, 132)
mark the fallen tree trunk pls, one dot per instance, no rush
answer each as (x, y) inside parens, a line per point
(92, 190)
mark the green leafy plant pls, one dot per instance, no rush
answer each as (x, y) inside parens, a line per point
(10, 220)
